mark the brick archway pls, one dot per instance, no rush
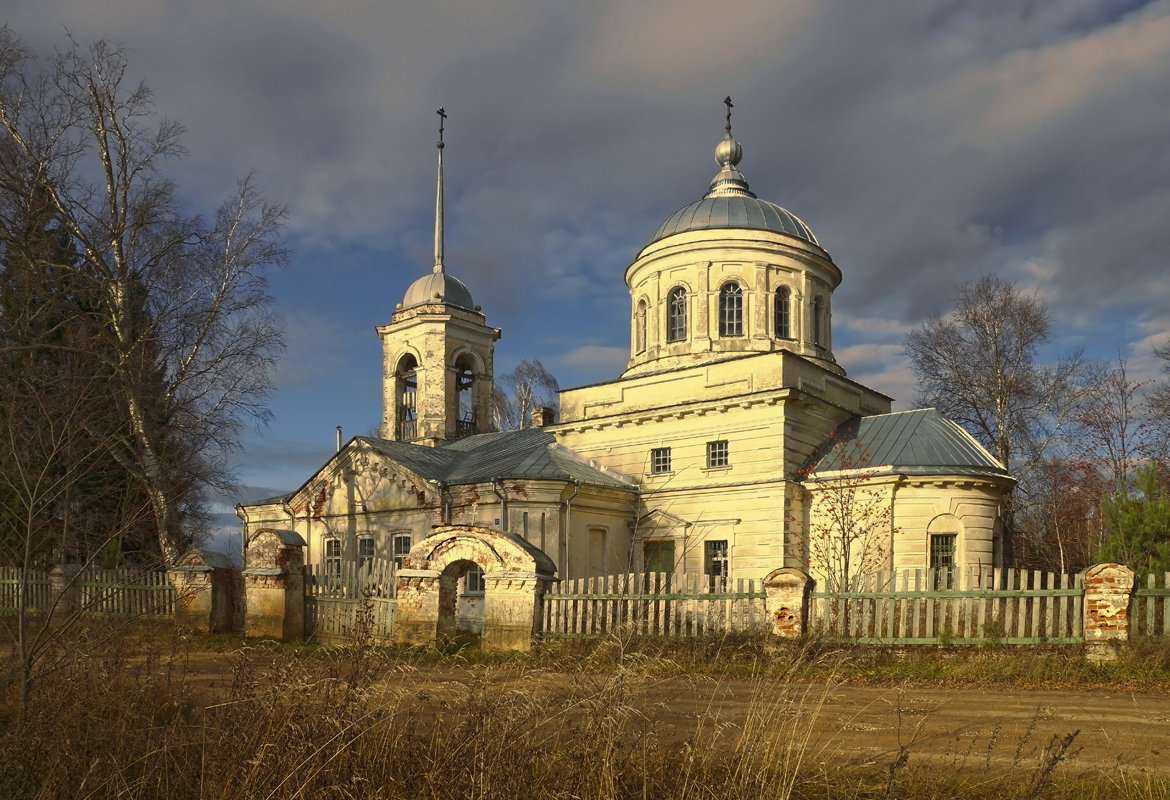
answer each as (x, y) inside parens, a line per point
(515, 576)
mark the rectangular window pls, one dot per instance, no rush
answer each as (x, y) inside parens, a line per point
(332, 556)
(401, 548)
(660, 460)
(718, 454)
(473, 581)
(365, 553)
(715, 564)
(942, 559)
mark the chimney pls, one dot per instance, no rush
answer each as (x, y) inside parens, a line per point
(543, 416)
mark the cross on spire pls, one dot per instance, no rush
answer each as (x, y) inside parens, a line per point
(442, 112)
(727, 102)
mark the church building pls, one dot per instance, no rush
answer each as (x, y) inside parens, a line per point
(732, 444)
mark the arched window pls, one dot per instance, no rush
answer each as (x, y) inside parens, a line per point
(465, 398)
(818, 321)
(731, 310)
(782, 323)
(640, 328)
(676, 315)
(406, 391)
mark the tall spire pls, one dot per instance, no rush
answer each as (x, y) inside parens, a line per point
(442, 112)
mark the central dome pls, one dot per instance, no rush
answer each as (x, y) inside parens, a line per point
(729, 203)
(734, 212)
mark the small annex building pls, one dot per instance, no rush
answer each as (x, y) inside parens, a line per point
(720, 449)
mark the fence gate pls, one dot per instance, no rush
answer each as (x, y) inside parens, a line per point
(349, 603)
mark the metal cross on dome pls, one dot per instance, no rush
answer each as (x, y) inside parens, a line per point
(727, 102)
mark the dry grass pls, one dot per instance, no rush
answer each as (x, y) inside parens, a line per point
(352, 723)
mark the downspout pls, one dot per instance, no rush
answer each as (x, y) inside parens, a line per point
(242, 513)
(568, 523)
(444, 503)
(503, 497)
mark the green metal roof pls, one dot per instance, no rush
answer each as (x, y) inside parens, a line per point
(919, 442)
(530, 454)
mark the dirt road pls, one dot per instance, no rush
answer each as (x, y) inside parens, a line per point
(963, 727)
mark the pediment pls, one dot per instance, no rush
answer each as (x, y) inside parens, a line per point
(660, 520)
(360, 478)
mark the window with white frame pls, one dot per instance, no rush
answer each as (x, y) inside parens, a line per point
(718, 454)
(473, 581)
(365, 552)
(676, 315)
(401, 544)
(731, 310)
(715, 564)
(332, 556)
(659, 460)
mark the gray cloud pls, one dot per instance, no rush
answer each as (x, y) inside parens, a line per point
(924, 143)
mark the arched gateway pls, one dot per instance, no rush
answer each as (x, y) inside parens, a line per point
(515, 578)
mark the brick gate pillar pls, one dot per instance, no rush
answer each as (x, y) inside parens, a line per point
(417, 614)
(274, 585)
(786, 598)
(66, 597)
(1108, 588)
(513, 608)
(204, 584)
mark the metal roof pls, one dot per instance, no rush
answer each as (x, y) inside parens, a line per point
(730, 203)
(734, 212)
(438, 287)
(919, 442)
(531, 454)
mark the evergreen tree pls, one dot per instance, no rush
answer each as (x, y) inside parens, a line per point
(1137, 524)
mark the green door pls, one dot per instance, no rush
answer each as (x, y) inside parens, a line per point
(659, 557)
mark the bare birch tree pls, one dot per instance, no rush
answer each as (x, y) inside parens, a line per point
(851, 523)
(527, 387)
(186, 329)
(980, 365)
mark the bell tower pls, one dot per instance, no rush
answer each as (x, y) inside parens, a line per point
(437, 353)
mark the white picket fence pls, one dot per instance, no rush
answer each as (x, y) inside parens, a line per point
(961, 606)
(16, 594)
(654, 604)
(128, 591)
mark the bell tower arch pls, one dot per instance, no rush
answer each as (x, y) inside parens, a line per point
(437, 353)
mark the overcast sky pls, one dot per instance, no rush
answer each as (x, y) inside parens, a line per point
(924, 143)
